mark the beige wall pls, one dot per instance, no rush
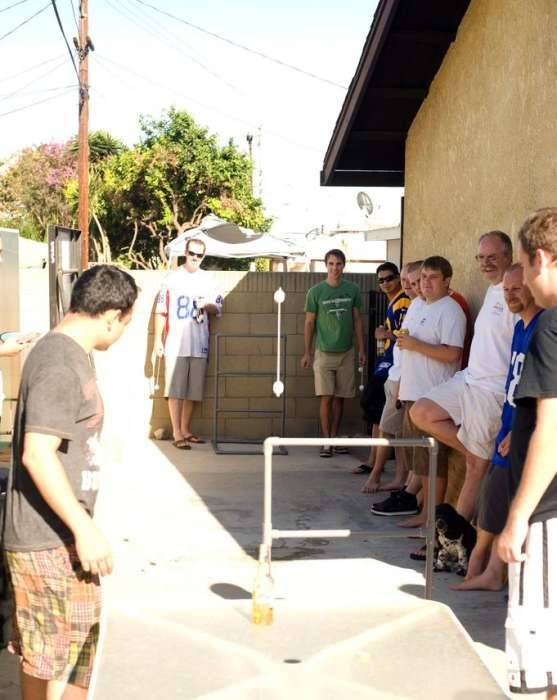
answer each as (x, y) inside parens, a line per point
(9, 317)
(481, 152)
(248, 308)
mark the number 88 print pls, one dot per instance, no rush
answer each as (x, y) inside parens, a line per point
(183, 307)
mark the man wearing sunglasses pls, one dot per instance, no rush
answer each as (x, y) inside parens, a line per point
(186, 301)
(373, 398)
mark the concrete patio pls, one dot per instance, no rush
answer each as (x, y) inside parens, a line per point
(349, 618)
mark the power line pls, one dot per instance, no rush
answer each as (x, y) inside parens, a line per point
(34, 104)
(244, 48)
(36, 79)
(24, 22)
(74, 16)
(53, 2)
(157, 34)
(3, 9)
(212, 108)
(35, 65)
(38, 92)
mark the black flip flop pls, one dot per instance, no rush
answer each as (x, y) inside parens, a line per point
(421, 554)
(181, 445)
(362, 469)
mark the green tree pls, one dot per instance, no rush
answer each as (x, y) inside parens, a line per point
(32, 189)
(165, 185)
(102, 146)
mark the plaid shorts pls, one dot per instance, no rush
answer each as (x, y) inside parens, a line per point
(56, 618)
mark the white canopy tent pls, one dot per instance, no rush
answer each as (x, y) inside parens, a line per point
(225, 240)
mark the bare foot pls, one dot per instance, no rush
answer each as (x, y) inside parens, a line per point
(417, 521)
(476, 563)
(392, 486)
(486, 581)
(371, 485)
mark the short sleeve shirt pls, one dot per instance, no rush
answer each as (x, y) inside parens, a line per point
(538, 381)
(333, 308)
(441, 323)
(177, 301)
(521, 341)
(412, 313)
(490, 351)
(58, 396)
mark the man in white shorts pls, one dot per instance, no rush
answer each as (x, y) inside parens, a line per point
(465, 412)
(185, 304)
(529, 540)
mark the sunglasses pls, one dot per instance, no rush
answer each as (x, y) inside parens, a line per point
(389, 278)
(195, 255)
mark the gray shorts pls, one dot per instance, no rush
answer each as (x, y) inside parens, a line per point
(185, 377)
(495, 500)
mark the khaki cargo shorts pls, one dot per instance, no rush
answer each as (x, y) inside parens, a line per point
(334, 373)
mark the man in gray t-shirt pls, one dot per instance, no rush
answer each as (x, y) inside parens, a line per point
(54, 551)
(58, 397)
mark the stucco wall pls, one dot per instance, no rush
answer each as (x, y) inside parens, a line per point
(248, 309)
(481, 152)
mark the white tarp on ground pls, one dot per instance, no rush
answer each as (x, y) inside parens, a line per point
(225, 240)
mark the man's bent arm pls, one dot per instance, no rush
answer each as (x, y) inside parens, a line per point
(539, 471)
(441, 353)
(41, 461)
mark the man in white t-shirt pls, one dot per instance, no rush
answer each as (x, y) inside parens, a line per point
(430, 353)
(464, 412)
(186, 301)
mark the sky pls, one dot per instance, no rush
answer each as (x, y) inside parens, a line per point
(145, 61)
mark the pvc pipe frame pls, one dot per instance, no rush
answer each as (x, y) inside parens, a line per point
(269, 534)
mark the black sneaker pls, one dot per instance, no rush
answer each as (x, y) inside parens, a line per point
(398, 503)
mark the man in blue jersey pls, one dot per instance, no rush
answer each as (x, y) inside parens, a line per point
(373, 398)
(495, 498)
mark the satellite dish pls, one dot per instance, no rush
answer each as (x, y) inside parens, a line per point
(365, 203)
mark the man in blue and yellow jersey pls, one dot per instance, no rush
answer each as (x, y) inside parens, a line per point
(333, 314)
(373, 398)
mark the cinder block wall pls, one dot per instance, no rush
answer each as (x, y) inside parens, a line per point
(249, 310)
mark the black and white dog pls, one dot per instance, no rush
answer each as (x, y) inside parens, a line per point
(456, 539)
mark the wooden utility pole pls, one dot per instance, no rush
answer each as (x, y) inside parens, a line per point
(83, 136)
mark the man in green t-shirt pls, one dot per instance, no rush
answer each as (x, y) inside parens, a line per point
(333, 309)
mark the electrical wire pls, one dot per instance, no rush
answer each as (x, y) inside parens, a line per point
(53, 2)
(3, 9)
(104, 59)
(157, 34)
(74, 13)
(34, 104)
(35, 65)
(24, 21)
(237, 45)
(36, 79)
(38, 92)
